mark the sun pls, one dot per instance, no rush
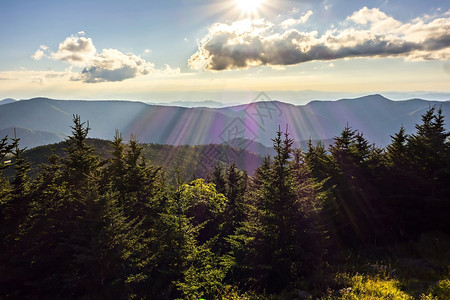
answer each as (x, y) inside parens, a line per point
(249, 6)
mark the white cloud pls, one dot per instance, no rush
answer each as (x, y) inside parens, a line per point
(366, 15)
(77, 51)
(248, 43)
(379, 21)
(293, 22)
(38, 54)
(108, 65)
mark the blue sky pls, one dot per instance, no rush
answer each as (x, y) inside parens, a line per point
(222, 50)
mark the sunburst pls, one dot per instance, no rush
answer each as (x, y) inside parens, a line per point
(249, 6)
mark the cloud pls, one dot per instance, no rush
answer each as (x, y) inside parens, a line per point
(76, 50)
(293, 22)
(108, 65)
(37, 78)
(251, 43)
(378, 20)
(113, 65)
(366, 15)
(38, 55)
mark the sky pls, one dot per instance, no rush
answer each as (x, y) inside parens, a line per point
(228, 50)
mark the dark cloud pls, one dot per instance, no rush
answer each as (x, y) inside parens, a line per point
(96, 74)
(113, 65)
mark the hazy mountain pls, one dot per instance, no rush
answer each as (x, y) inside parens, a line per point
(206, 103)
(376, 116)
(32, 138)
(7, 101)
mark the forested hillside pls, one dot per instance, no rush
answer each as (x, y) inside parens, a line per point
(352, 222)
(185, 162)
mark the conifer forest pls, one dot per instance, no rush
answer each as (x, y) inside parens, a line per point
(349, 221)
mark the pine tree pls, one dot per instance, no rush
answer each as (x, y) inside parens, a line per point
(81, 159)
(139, 181)
(116, 170)
(217, 177)
(101, 241)
(319, 162)
(5, 149)
(5, 195)
(17, 207)
(275, 247)
(235, 186)
(396, 151)
(358, 211)
(57, 207)
(428, 172)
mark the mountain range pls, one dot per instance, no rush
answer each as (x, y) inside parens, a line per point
(249, 126)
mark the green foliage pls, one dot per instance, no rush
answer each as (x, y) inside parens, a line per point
(101, 242)
(5, 149)
(198, 193)
(362, 287)
(441, 290)
(204, 275)
(16, 205)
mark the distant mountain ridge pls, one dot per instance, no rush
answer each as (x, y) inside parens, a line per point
(189, 104)
(237, 126)
(7, 101)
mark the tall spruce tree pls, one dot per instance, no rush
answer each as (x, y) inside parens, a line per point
(274, 246)
(139, 180)
(81, 159)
